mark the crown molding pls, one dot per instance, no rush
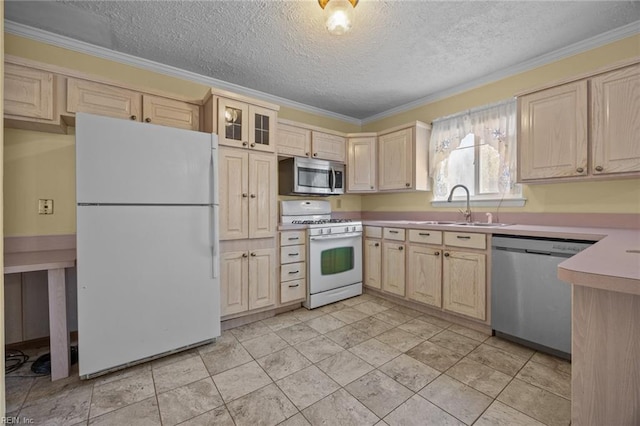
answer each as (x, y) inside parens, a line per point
(104, 53)
(47, 37)
(573, 49)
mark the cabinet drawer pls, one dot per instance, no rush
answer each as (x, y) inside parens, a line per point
(465, 239)
(425, 236)
(293, 290)
(373, 231)
(291, 254)
(289, 238)
(292, 271)
(393, 234)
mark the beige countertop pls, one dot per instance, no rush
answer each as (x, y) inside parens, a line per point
(612, 263)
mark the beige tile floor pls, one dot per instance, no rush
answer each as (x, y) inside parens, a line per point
(362, 361)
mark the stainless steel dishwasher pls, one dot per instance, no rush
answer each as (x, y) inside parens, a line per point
(528, 301)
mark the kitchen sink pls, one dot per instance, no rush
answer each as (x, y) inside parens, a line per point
(426, 222)
(485, 224)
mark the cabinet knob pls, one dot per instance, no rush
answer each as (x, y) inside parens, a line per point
(147, 120)
(244, 144)
(579, 170)
(376, 245)
(371, 186)
(253, 145)
(315, 154)
(437, 253)
(133, 117)
(244, 255)
(245, 195)
(253, 255)
(599, 168)
(446, 254)
(252, 195)
(306, 153)
(400, 248)
(407, 185)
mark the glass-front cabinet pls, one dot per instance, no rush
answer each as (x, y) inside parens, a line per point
(246, 126)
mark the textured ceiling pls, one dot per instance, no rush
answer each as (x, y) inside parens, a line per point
(396, 53)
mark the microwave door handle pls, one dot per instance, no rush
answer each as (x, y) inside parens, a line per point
(332, 180)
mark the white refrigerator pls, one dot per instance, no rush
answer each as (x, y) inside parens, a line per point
(147, 241)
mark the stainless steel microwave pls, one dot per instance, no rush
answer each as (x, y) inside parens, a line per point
(309, 176)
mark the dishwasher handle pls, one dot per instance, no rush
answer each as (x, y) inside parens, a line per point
(546, 253)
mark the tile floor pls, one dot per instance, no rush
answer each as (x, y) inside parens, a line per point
(362, 361)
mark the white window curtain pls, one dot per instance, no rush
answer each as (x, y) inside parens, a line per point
(493, 125)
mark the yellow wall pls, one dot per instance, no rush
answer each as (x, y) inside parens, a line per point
(622, 196)
(41, 165)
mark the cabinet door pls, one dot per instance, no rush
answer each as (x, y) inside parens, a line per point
(464, 283)
(169, 112)
(361, 164)
(372, 263)
(262, 280)
(395, 158)
(328, 147)
(294, 141)
(234, 194)
(615, 121)
(393, 268)
(233, 123)
(263, 198)
(262, 129)
(28, 92)
(102, 99)
(553, 132)
(424, 281)
(234, 282)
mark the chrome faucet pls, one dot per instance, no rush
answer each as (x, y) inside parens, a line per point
(467, 212)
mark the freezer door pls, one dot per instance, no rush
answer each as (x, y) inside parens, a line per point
(126, 162)
(146, 282)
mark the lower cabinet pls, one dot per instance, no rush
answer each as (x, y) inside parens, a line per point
(372, 263)
(247, 280)
(393, 268)
(464, 284)
(424, 277)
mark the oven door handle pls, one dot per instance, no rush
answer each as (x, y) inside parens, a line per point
(336, 237)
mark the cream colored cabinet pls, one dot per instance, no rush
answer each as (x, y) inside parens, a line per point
(361, 164)
(326, 146)
(247, 194)
(424, 280)
(586, 128)
(372, 263)
(464, 283)
(171, 113)
(393, 268)
(403, 158)
(615, 121)
(247, 280)
(294, 141)
(553, 132)
(244, 125)
(111, 101)
(30, 99)
(293, 266)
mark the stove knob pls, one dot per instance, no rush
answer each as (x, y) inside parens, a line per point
(321, 231)
(346, 229)
(328, 230)
(353, 229)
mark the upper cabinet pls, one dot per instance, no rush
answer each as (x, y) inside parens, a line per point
(615, 121)
(112, 101)
(403, 158)
(244, 125)
(30, 100)
(298, 140)
(582, 129)
(361, 158)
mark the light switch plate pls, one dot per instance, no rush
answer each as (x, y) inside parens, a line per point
(45, 206)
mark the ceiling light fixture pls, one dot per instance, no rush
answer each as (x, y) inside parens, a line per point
(339, 15)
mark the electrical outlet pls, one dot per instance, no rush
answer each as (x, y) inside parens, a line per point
(45, 206)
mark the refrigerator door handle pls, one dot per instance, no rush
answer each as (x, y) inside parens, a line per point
(215, 244)
(215, 208)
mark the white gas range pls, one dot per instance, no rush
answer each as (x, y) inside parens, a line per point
(334, 251)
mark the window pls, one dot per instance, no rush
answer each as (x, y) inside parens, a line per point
(478, 150)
